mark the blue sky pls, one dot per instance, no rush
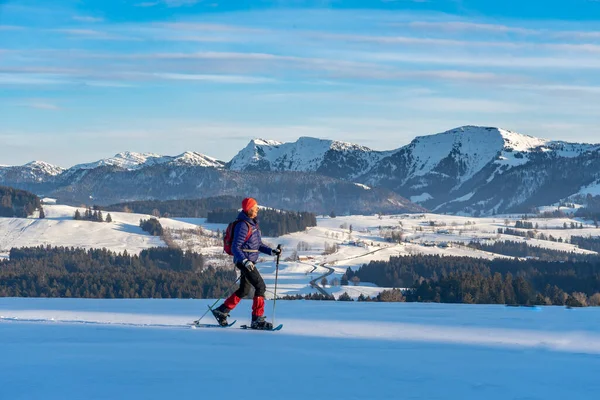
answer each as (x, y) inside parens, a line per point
(82, 80)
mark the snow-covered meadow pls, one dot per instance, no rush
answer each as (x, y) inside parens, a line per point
(141, 349)
(357, 240)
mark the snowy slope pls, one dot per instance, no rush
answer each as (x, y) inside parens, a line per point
(307, 155)
(59, 229)
(485, 170)
(367, 241)
(73, 348)
(364, 244)
(35, 171)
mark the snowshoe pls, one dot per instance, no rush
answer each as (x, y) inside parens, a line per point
(221, 315)
(260, 323)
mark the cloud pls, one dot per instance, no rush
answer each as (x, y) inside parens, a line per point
(11, 28)
(94, 34)
(428, 42)
(470, 26)
(503, 61)
(82, 18)
(41, 105)
(238, 79)
(467, 26)
(168, 3)
(193, 26)
(28, 79)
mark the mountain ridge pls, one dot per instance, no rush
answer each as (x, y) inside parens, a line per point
(470, 169)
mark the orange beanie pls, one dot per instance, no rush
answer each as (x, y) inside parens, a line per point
(248, 203)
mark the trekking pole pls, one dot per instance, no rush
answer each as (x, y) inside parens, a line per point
(276, 277)
(219, 299)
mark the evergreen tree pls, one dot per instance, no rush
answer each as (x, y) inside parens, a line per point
(108, 218)
(42, 213)
(77, 215)
(345, 297)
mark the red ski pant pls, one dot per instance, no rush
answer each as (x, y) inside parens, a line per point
(248, 280)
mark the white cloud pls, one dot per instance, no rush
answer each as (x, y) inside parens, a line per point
(168, 3)
(83, 18)
(502, 61)
(42, 105)
(94, 34)
(237, 79)
(471, 26)
(10, 28)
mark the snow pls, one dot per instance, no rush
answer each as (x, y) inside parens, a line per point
(196, 159)
(421, 198)
(306, 154)
(591, 189)
(422, 234)
(44, 167)
(112, 349)
(363, 186)
(476, 146)
(126, 160)
(60, 229)
(132, 161)
(464, 198)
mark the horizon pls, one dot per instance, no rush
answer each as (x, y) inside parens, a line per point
(83, 81)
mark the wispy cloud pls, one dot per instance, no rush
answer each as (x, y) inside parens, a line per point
(467, 26)
(168, 3)
(83, 18)
(229, 67)
(28, 79)
(11, 28)
(147, 4)
(455, 26)
(192, 26)
(41, 105)
(237, 79)
(429, 42)
(94, 34)
(505, 61)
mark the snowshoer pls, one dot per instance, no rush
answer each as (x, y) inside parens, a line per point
(246, 245)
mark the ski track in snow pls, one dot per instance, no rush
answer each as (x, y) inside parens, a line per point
(571, 342)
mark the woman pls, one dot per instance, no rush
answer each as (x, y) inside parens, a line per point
(246, 245)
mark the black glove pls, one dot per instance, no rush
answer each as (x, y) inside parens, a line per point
(276, 252)
(249, 265)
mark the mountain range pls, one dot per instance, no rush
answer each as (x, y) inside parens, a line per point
(468, 170)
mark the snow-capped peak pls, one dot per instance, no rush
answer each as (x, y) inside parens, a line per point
(44, 167)
(307, 154)
(192, 158)
(520, 142)
(132, 161)
(265, 142)
(126, 160)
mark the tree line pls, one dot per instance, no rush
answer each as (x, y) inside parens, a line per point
(92, 215)
(100, 273)
(498, 281)
(522, 249)
(272, 222)
(588, 243)
(17, 203)
(191, 208)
